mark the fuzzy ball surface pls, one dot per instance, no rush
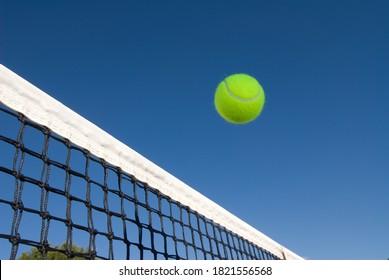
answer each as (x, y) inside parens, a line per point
(239, 99)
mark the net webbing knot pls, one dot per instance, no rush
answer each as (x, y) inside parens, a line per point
(17, 205)
(14, 239)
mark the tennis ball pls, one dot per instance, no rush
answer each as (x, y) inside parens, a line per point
(239, 98)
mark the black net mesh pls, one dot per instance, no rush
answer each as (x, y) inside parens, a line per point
(56, 197)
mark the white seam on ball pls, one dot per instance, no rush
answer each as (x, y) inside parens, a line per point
(240, 98)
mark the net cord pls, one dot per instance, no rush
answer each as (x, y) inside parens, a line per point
(20, 95)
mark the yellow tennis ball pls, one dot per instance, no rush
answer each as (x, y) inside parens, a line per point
(239, 98)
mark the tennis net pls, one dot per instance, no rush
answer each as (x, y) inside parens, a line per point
(69, 188)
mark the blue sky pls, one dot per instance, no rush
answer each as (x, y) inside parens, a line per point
(311, 172)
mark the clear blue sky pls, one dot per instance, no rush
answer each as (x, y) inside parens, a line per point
(312, 172)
